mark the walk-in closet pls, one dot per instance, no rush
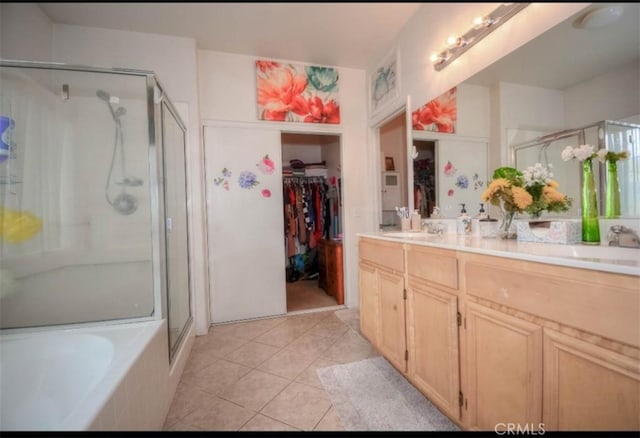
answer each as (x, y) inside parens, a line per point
(312, 199)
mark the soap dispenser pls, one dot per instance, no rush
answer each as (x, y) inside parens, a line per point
(475, 222)
(463, 223)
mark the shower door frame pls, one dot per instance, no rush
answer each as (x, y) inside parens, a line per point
(156, 194)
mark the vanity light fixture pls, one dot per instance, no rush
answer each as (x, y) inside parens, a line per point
(482, 26)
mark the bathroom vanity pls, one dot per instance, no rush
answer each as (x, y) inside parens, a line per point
(494, 332)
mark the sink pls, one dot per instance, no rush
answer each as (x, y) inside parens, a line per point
(600, 252)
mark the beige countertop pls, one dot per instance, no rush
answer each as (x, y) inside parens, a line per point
(595, 257)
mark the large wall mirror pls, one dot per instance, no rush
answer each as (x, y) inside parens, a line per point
(559, 89)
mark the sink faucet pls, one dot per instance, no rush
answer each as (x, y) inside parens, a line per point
(621, 236)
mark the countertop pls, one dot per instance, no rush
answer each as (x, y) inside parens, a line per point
(594, 257)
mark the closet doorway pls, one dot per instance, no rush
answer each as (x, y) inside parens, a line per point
(312, 199)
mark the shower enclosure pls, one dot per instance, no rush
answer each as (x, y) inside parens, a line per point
(612, 135)
(93, 217)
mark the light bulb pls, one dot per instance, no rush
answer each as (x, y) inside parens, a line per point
(478, 22)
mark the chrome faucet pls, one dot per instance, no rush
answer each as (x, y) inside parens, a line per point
(621, 236)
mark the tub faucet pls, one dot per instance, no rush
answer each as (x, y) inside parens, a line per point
(621, 236)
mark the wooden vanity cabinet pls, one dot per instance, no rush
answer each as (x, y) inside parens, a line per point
(503, 359)
(382, 299)
(432, 326)
(588, 387)
(550, 344)
(493, 340)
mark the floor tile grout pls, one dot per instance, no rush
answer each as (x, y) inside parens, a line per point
(216, 357)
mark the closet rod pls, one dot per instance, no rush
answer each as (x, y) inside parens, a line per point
(303, 178)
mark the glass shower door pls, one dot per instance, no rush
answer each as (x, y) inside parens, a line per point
(176, 228)
(75, 210)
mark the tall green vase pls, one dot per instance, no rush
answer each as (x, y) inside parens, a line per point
(590, 225)
(612, 194)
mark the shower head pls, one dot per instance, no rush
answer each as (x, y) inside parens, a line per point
(103, 95)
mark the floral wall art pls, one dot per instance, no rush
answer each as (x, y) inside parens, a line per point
(297, 93)
(383, 84)
(438, 115)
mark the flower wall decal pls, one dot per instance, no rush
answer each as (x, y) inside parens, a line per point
(247, 180)
(266, 165)
(462, 182)
(449, 169)
(224, 179)
(297, 93)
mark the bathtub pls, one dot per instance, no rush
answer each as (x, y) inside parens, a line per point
(91, 378)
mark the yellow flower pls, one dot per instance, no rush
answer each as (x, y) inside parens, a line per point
(521, 197)
(550, 194)
(494, 187)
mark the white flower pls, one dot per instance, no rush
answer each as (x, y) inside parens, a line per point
(581, 153)
(602, 155)
(567, 153)
(537, 174)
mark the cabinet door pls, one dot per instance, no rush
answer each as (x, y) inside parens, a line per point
(587, 387)
(392, 334)
(369, 303)
(432, 337)
(504, 369)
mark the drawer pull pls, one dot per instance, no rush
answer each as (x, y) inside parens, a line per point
(504, 292)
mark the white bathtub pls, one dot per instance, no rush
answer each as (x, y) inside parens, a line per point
(108, 377)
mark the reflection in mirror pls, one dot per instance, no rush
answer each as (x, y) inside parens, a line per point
(611, 135)
(424, 178)
(570, 77)
(454, 172)
(393, 183)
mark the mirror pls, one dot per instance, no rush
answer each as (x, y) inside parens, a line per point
(573, 76)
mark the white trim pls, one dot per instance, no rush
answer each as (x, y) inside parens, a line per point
(432, 135)
(314, 128)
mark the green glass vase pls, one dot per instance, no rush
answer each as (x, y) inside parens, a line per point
(590, 225)
(612, 194)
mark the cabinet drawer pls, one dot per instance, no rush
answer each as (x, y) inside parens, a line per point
(433, 264)
(387, 254)
(602, 303)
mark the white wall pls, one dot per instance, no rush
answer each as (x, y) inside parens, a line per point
(25, 32)
(612, 96)
(227, 88)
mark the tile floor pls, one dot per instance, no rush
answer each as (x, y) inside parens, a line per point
(305, 294)
(261, 374)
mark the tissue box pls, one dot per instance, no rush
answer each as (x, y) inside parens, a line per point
(564, 231)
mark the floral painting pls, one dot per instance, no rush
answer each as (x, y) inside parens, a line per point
(297, 93)
(384, 82)
(439, 115)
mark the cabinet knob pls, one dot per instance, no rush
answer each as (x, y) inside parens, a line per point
(504, 292)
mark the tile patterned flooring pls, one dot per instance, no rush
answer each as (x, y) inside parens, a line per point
(261, 374)
(305, 294)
